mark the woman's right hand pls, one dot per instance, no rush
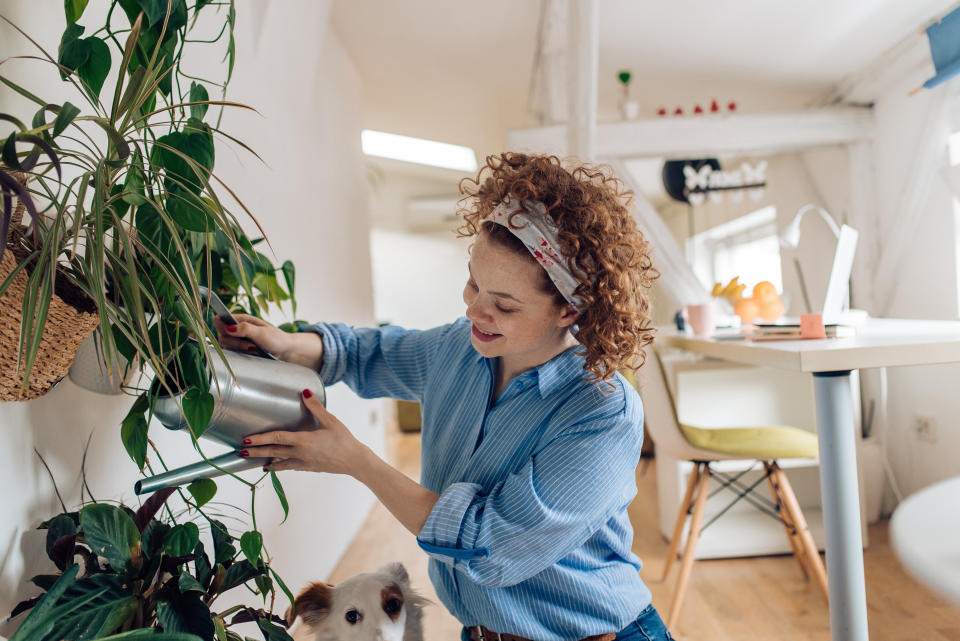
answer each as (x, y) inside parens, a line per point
(304, 348)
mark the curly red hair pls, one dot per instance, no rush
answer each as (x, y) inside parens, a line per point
(599, 239)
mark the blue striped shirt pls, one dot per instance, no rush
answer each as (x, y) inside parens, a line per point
(530, 535)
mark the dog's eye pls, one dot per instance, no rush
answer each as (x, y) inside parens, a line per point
(392, 606)
(352, 616)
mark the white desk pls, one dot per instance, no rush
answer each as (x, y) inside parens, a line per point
(878, 343)
(923, 531)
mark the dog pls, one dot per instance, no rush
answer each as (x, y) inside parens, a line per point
(374, 606)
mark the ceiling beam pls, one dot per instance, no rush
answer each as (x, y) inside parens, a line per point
(706, 135)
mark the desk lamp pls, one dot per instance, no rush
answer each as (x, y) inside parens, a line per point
(838, 285)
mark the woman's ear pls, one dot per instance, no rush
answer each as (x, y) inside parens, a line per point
(568, 316)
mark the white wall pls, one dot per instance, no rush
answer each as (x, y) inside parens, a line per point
(925, 287)
(311, 198)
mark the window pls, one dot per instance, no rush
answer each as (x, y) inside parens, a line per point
(747, 247)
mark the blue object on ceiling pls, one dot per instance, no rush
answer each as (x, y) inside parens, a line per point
(944, 39)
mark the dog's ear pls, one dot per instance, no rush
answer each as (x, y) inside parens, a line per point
(397, 572)
(313, 603)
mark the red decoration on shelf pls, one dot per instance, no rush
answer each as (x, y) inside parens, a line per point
(714, 107)
(698, 110)
(661, 111)
(678, 112)
(732, 106)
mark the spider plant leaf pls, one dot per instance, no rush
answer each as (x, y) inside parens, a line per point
(23, 92)
(120, 146)
(15, 121)
(65, 116)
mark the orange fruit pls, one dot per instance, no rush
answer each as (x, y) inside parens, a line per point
(747, 309)
(771, 310)
(764, 290)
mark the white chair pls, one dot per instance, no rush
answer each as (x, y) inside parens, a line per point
(702, 446)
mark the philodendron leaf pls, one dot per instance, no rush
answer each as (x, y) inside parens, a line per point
(74, 9)
(251, 543)
(133, 433)
(96, 65)
(182, 539)
(223, 550)
(198, 408)
(202, 490)
(278, 488)
(73, 52)
(239, 573)
(110, 533)
(198, 93)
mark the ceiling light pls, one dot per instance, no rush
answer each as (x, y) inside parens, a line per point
(418, 150)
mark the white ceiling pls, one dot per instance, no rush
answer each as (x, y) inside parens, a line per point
(461, 73)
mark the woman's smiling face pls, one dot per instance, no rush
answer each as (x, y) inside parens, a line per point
(511, 315)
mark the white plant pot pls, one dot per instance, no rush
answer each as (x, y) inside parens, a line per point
(91, 371)
(629, 109)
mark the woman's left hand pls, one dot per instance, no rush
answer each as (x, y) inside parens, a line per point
(330, 448)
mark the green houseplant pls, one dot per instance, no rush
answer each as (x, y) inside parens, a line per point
(120, 571)
(134, 216)
(125, 206)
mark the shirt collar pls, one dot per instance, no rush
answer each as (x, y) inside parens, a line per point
(555, 372)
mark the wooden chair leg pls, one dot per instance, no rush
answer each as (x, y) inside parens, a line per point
(686, 564)
(681, 519)
(814, 562)
(798, 551)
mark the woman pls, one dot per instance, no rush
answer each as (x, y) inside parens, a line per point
(530, 437)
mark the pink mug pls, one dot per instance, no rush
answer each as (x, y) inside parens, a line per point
(702, 318)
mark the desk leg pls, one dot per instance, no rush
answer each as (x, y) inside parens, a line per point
(841, 506)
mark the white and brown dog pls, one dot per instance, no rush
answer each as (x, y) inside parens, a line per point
(374, 606)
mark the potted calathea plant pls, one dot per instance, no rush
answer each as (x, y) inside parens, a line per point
(125, 207)
(124, 574)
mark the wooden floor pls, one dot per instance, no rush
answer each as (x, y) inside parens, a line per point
(728, 600)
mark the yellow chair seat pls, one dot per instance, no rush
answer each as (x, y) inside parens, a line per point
(765, 443)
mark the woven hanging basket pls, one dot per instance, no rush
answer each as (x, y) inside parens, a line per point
(71, 317)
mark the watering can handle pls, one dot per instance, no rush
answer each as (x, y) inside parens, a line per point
(224, 315)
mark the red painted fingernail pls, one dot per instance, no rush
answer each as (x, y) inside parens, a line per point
(232, 329)
(244, 453)
(247, 441)
(307, 393)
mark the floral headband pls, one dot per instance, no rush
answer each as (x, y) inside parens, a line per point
(529, 222)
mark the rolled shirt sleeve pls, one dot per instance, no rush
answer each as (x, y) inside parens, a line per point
(542, 512)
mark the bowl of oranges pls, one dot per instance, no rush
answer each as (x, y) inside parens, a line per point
(764, 303)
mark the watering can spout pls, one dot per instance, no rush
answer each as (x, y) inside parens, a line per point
(229, 463)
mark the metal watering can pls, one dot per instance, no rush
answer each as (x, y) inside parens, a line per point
(262, 395)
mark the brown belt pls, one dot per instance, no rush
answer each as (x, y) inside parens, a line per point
(480, 633)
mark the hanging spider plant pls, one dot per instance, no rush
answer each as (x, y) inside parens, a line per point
(133, 209)
(125, 203)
